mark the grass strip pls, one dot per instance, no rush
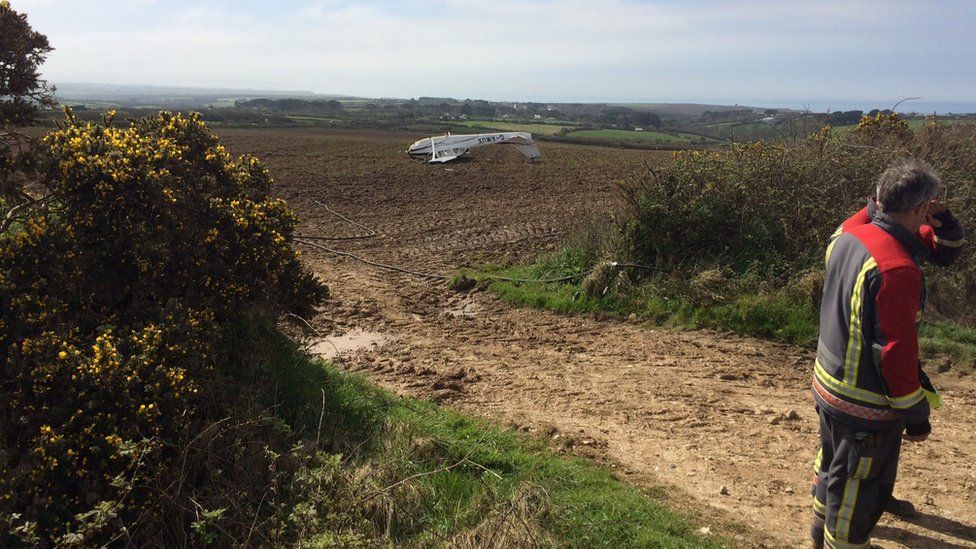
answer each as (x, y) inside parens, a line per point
(774, 316)
(460, 480)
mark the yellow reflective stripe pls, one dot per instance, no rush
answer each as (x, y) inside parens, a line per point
(851, 489)
(819, 507)
(908, 400)
(848, 391)
(833, 240)
(833, 543)
(854, 337)
(843, 528)
(817, 461)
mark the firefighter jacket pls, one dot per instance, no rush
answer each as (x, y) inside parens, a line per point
(867, 370)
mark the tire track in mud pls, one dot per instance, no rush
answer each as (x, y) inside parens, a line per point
(725, 419)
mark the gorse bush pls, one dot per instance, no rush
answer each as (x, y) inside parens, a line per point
(763, 212)
(120, 307)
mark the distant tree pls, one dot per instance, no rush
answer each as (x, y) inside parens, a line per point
(290, 105)
(477, 107)
(647, 118)
(22, 95)
(255, 104)
(623, 116)
(844, 118)
(22, 51)
(612, 114)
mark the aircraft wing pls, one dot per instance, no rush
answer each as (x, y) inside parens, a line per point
(445, 148)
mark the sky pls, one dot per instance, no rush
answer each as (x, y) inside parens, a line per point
(820, 54)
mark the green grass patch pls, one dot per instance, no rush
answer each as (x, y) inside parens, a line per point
(773, 316)
(677, 138)
(586, 505)
(450, 479)
(767, 316)
(777, 316)
(950, 340)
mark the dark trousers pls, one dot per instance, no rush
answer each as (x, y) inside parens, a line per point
(854, 473)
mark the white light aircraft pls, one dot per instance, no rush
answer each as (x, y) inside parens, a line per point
(444, 148)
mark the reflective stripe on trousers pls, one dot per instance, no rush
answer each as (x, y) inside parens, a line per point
(855, 472)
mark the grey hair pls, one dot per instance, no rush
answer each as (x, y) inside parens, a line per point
(906, 184)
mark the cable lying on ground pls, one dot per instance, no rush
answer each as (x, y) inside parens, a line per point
(307, 240)
(370, 232)
(372, 263)
(431, 276)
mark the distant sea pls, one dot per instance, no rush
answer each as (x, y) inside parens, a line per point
(920, 106)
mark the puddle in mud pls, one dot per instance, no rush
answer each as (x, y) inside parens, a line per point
(353, 340)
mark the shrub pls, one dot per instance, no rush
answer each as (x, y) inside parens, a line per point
(118, 309)
(764, 211)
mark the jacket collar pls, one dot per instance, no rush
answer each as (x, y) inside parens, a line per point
(911, 242)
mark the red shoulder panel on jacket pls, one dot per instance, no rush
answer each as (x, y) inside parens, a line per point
(886, 250)
(860, 218)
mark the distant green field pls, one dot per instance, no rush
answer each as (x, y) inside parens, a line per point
(723, 124)
(310, 118)
(222, 103)
(627, 135)
(541, 129)
(916, 123)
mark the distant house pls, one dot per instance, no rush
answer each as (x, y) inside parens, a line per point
(537, 116)
(638, 129)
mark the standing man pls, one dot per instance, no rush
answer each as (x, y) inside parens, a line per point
(868, 385)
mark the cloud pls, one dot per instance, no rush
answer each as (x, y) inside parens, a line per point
(544, 48)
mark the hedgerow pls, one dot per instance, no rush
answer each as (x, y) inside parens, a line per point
(756, 218)
(123, 361)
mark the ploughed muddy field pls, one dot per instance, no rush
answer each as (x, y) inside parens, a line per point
(727, 422)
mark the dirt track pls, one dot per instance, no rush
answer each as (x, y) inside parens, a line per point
(708, 413)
